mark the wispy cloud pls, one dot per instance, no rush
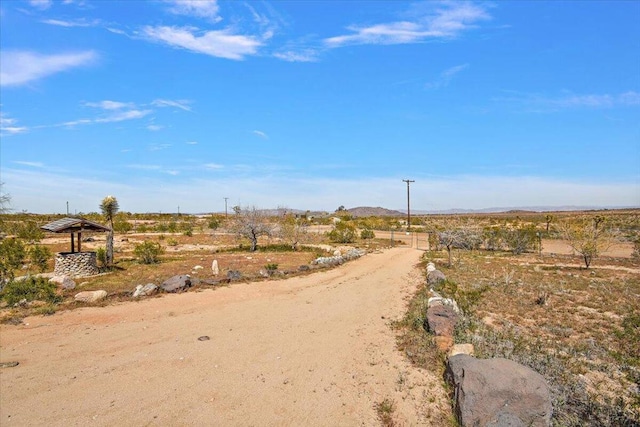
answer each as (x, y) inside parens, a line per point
(110, 105)
(304, 55)
(71, 23)
(198, 8)
(158, 147)
(124, 115)
(218, 43)
(30, 164)
(445, 77)
(213, 166)
(20, 67)
(154, 128)
(260, 134)
(41, 4)
(181, 104)
(544, 103)
(144, 167)
(191, 142)
(448, 20)
(8, 126)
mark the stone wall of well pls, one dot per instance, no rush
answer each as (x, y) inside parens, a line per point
(76, 264)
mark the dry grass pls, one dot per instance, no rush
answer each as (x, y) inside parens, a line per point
(560, 319)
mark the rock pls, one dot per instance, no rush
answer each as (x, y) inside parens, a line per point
(214, 268)
(264, 273)
(304, 268)
(234, 275)
(177, 283)
(63, 282)
(461, 349)
(198, 267)
(337, 252)
(441, 320)
(145, 290)
(90, 296)
(430, 267)
(444, 301)
(498, 392)
(435, 277)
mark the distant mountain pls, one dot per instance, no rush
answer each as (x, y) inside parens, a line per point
(523, 209)
(363, 211)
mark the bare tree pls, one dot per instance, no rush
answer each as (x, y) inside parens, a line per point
(586, 238)
(251, 223)
(291, 230)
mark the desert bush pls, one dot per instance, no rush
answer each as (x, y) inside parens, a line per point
(122, 226)
(142, 228)
(271, 267)
(101, 257)
(587, 237)
(520, 240)
(31, 289)
(492, 239)
(12, 255)
(148, 252)
(367, 233)
(172, 242)
(213, 223)
(39, 257)
(30, 231)
(343, 232)
(636, 247)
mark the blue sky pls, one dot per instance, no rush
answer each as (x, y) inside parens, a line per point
(317, 104)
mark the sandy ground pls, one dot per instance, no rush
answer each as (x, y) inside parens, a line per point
(316, 350)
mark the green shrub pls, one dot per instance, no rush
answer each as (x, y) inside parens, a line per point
(39, 257)
(101, 257)
(271, 267)
(148, 252)
(30, 231)
(342, 232)
(367, 233)
(12, 254)
(214, 223)
(121, 226)
(172, 242)
(30, 289)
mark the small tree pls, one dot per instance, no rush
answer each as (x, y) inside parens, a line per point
(109, 207)
(291, 230)
(548, 219)
(251, 224)
(586, 238)
(367, 233)
(39, 257)
(5, 200)
(520, 239)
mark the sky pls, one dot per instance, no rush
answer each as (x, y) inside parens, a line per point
(176, 105)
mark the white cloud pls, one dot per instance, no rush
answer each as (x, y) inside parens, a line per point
(191, 142)
(144, 167)
(213, 166)
(448, 20)
(109, 105)
(8, 126)
(125, 115)
(41, 4)
(70, 24)
(545, 104)
(220, 43)
(305, 55)
(445, 77)
(181, 104)
(158, 147)
(199, 8)
(21, 67)
(260, 134)
(154, 128)
(31, 164)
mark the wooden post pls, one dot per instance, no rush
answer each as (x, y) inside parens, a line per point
(72, 244)
(79, 241)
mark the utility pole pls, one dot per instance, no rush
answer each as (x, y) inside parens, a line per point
(67, 208)
(408, 181)
(225, 207)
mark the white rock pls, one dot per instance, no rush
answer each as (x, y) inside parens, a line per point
(198, 267)
(90, 296)
(461, 349)
(214, 267)
(65, 282)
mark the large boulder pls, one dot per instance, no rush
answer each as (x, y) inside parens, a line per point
(498, 392)
(90, 296)
(177, 283)
(441, 320)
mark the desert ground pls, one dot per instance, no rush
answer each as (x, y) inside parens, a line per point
(309, 350)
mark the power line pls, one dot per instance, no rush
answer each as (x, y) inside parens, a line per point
(408, 181)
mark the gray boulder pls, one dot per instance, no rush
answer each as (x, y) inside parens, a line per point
(63, 282)
(146, 290)
(498, 392)
(435, 277)
(234, 275)
(177, 283)
(441, 320)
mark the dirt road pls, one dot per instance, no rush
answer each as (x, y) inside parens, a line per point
(308, 351)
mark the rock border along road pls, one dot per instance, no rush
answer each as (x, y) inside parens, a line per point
(314, 350)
